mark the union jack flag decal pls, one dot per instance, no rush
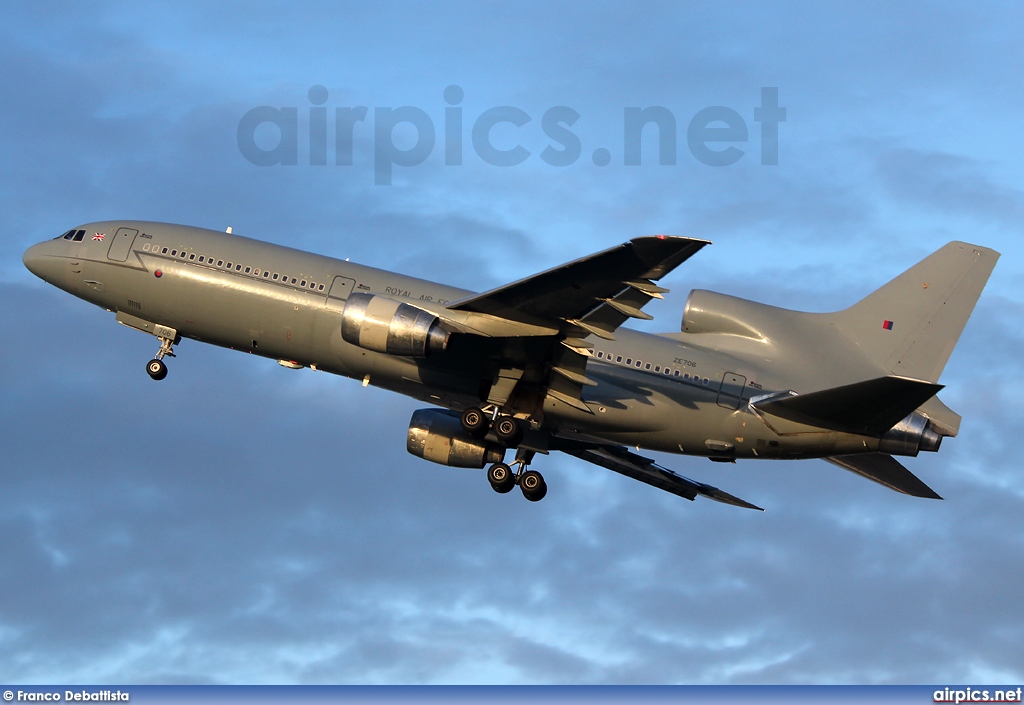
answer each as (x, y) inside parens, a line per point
(98, 236)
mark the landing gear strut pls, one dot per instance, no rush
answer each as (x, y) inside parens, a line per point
(156, 368)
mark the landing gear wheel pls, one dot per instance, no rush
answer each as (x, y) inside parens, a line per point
(156, 369)
(501, 478)
(508, 430)
(475, 422)
(533, 486)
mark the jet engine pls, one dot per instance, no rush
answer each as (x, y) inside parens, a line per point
(909, 436)
(437, 435)
(388, 326)
(711, 312)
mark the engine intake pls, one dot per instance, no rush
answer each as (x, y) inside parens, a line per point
(388, 326)
(437, 435)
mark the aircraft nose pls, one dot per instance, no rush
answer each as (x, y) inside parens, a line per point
(37, 260)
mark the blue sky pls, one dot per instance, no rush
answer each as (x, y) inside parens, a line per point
(242, 523)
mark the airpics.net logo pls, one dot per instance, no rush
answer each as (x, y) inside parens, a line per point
(406, 136)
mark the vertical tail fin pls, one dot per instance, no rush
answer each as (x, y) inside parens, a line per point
(911, 325)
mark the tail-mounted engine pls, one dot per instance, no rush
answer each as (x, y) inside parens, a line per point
(388, 326)
(909, 436)
(437, 435)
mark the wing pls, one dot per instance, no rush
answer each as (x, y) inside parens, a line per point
(616, 282)
(593, 295)
(646, 470)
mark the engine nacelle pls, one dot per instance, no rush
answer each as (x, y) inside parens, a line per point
(711, 312)
(909, 436)
(437, 435)
(388, 326)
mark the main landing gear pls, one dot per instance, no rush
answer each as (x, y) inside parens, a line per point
(156, 367)
(505, 427)
(531, 482)
(509, 433)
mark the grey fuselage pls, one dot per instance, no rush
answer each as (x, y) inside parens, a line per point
(680, 392)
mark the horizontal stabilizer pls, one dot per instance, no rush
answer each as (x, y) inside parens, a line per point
(885, 470)
(647, 471)
(870, 407)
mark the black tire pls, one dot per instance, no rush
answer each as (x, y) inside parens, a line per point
(508, 430)
(475, 422)
(156, 369)
(533, 486)
(501, 477)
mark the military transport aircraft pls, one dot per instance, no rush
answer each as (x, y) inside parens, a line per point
(544, 365)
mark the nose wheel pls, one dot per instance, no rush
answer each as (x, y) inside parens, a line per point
(156, 368)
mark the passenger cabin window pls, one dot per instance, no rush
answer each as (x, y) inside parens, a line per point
(247, 270)
(265, 274)
(192, 256)
(238, 268)
(275, 276)
(618, 359)
(163, 251)
(174, 253)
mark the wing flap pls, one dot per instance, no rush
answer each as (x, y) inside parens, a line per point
(885, 470)
(645, 470)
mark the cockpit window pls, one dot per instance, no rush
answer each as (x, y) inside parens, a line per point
(68, 235)
(79, 235)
